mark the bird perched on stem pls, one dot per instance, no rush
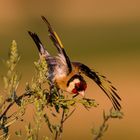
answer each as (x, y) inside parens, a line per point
(67, 75)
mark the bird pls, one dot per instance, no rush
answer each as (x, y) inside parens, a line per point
(69, 76)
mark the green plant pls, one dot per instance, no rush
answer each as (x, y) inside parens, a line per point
(98, 133)
(47, 106)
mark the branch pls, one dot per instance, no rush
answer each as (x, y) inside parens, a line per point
(17, 101)
(104, 126)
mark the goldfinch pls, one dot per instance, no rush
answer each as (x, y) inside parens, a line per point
(67, 75)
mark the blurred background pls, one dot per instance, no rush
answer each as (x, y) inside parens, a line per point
(102, 34)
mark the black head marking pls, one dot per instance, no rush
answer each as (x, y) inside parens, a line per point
(75, 77)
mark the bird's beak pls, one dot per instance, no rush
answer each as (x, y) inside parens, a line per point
(82, 93)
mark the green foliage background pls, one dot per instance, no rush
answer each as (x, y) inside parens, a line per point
(103, 34)
(60, 106)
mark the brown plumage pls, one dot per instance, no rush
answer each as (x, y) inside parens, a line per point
(66, 75)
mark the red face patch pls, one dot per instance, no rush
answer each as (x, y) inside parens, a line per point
(81, 86)
(74, 91)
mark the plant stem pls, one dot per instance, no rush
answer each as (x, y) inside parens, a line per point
(12, 103)
(102, 128)
(59, 132)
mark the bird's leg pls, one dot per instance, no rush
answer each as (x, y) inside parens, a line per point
(54, 92)
(50, 97)
(52, 89)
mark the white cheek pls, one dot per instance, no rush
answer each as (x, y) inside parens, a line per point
(72, 85)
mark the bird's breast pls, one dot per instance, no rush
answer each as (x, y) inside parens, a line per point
(62, 79)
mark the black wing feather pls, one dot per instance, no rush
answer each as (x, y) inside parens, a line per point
(56, 41)
(38, 43)
(110, 90)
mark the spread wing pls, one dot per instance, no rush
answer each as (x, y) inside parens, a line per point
(38, 43)
(102, 82)
(57, 43)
